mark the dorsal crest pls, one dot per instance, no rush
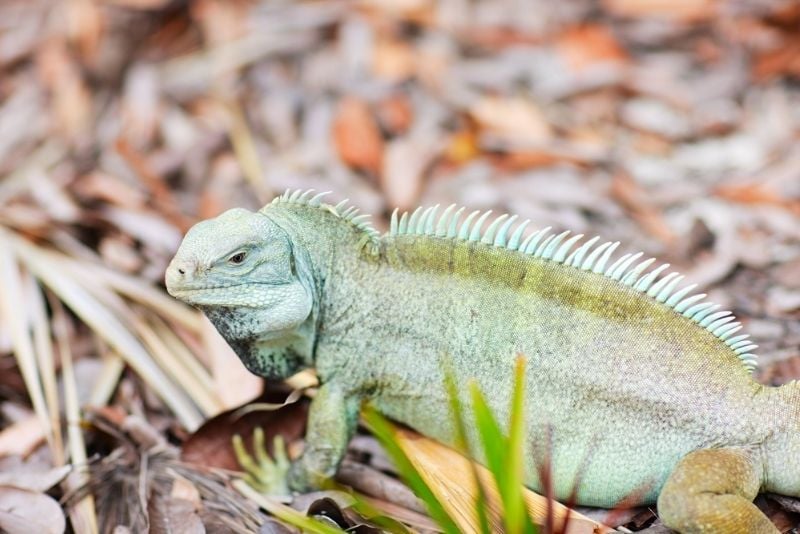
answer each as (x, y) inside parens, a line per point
(343, 210)
(566, 249)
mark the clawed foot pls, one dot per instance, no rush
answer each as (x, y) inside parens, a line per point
(267, 475)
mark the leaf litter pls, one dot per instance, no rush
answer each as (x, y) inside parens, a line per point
(670, 127)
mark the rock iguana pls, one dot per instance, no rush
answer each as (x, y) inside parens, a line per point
(644, 389)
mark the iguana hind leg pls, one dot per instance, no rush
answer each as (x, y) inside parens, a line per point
(711, 491)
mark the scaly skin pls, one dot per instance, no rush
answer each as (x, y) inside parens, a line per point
(633, 394)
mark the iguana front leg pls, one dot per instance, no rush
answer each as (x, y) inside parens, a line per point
(331, 423)
(711, 491)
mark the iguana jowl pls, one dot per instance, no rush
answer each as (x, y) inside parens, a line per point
(643, 388)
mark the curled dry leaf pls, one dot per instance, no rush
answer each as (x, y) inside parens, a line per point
(23, 511)
(210, 445)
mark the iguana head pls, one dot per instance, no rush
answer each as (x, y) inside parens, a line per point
(241, 270)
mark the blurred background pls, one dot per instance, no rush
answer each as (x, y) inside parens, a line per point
(671, 126)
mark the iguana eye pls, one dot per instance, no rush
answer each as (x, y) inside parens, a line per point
(237, 258)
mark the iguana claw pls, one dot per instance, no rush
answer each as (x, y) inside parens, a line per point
(263, 473)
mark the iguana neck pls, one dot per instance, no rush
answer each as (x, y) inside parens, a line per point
(274, 355)
(322, 243)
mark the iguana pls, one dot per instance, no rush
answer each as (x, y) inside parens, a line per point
(643, 389)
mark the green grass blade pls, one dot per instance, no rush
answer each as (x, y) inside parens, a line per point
(382, 430)
(515, 517)
(492, 438)
(457, 415)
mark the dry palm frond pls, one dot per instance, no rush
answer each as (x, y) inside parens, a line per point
(82, 515)
(100, 308)
(136, 483)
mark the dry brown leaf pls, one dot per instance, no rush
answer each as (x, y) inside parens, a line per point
(210, 445)
(171, 515)
(222, 21)
(675, 10)
(462, 146)
(109, 189)
(395, 113)
(32, 478)
(499, 38)
(589, 44)
(139, 4)
(22, 437)
(71, 100)
(86, 23)
(404, 171)
(757, 193)
(516, 119)
(357, 137)
(631, 195)
(393, 60)
(140, 105)
(531, 158)
(161, 194)
(119, 253)
(23, 512)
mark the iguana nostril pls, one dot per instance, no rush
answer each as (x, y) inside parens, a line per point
(181, 271)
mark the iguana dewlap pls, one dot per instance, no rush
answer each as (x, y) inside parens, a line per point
(643, 389)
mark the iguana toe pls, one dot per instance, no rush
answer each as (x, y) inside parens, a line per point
(265, 474)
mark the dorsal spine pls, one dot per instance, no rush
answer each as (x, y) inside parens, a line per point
(561, 248)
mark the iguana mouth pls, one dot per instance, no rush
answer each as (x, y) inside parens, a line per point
(186, 293)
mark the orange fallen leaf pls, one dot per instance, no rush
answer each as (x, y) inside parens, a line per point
(393, 60)
(21, 437)
(516, 119)
(357, 137)
(631, 195)
(686, 11)
(395, 113)
(782, 60)
(70, 98)
(463, 146)
(756, 193)
(589, 44)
